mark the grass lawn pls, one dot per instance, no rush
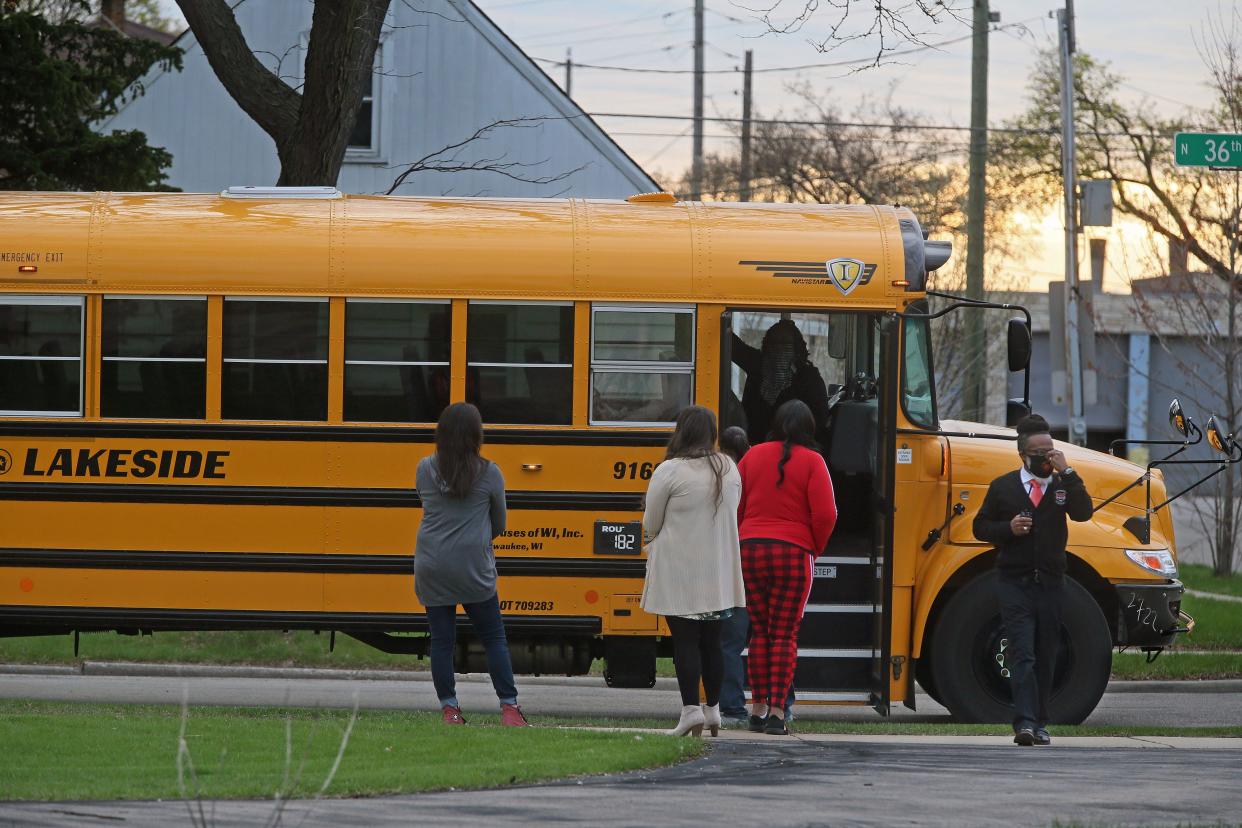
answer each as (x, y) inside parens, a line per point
(1218, 624)
(54, 750)
(1200, 577)
(1174, 665)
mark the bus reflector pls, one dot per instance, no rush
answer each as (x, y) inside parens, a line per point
(901, 283)
(27, 268)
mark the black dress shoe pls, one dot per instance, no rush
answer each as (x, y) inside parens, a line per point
(755, 724)
(775, 726)
(1042, 736)
(1024, 737)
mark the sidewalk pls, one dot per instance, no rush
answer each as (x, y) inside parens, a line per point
(125, 668)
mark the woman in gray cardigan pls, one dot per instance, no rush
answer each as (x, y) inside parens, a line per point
(463, 497)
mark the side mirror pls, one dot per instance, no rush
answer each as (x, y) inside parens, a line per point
(1217, 440)
(1019, 336)
(1015, 410)
(1177, 418)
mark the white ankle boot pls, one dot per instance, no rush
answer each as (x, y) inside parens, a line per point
(691, 722)
(711, 718)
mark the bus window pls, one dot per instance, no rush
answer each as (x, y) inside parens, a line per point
(520, 356)
(642, 364)
(916, 375)
(154, 354)
(396, 360)
(41, 356)
(275, 359)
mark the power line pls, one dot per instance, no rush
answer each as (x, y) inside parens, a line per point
(867, 125)
(610, 25)
(831, 65)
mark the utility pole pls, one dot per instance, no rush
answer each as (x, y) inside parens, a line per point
(974, 396)
(696, 161)
(744, 173)
(1074, 397)
(569, 72)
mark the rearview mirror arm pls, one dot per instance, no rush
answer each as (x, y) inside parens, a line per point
(967, 302)
(1146, 475)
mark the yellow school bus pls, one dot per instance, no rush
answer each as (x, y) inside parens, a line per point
(211, 408)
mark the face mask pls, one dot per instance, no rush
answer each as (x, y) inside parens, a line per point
(1038, 466)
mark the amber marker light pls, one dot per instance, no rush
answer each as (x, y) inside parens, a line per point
(901, 283)
(27, 268)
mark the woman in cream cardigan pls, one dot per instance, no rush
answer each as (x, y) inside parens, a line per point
(694, 571)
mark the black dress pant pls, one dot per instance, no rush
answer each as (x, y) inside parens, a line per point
(697, 654)
(1031, 614)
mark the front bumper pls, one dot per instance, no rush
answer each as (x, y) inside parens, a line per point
(1149, 615)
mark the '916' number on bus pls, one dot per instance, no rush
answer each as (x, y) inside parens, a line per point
(632, 471)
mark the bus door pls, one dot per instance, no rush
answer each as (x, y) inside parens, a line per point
(844, 641)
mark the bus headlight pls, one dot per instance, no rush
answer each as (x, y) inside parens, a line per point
(1159, 561)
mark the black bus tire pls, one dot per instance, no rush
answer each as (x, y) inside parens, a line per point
(967, 639)
(923, 675)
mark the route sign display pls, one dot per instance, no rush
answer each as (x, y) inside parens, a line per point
(1207, 149)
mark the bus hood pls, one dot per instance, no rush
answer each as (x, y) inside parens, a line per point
(976, 461)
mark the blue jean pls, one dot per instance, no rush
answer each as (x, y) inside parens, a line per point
(734, 633)
(489, 629)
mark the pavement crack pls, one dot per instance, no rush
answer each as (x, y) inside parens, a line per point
(108, 817)
(1150, 741)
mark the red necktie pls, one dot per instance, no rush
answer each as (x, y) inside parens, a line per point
(1037, 492)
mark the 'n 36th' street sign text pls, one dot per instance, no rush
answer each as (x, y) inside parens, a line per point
(1207, 149)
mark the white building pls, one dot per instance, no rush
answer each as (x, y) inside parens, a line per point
(443, 70)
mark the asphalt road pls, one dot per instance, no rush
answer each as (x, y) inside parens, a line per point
(784, 782)
(801, 781)
(552, 696)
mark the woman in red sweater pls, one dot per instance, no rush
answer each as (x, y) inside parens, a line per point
(784, 520)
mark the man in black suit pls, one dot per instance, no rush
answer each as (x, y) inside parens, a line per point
(1023, 516)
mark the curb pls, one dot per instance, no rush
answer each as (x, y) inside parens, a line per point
(127, 668)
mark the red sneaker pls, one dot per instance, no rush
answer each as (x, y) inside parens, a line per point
(511, 716)
(452, 715)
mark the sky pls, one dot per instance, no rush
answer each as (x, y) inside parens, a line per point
(1150, 43)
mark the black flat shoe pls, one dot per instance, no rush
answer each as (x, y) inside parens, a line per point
(755, 724)
(775, 726)
(1042, 737)
(1024, 737)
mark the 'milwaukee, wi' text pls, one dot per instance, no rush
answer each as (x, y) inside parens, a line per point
(177, 464)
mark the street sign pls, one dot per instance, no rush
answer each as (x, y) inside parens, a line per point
(1207, 149)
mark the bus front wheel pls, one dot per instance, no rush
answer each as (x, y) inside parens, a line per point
(968, 656)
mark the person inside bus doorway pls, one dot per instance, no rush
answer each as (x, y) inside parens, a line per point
(463, 497)
(1024, 517)
(694, 573)
(776, 372)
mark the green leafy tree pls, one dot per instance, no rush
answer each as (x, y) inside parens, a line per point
(58, 77)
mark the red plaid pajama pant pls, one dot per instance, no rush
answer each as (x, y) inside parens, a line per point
(778, 581)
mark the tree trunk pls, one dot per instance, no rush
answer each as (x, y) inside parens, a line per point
(339, 62)
(311, 130)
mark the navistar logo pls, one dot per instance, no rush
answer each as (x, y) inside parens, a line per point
(842, 273)
(166, 464)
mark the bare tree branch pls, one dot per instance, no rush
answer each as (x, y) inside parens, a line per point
(447, 159)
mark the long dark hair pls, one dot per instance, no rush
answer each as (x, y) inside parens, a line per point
(459, 436)
(794, 425)
(695, 436)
